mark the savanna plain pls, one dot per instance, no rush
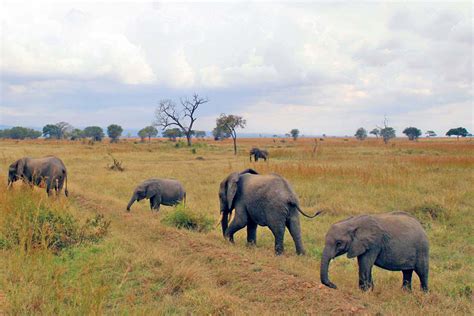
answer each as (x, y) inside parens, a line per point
(86, 255)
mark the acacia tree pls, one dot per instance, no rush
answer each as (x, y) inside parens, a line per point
(295, 133)
(376, 132)
(387, 132)
(430, 133)
(172, 133)
(183, 118)
(114, 131)
(58, 130)
(228, 124)
(361, 133)
(149, 131)
(460, 131)
(412, 132)
(94, 132)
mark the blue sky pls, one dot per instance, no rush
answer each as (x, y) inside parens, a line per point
(320, 67)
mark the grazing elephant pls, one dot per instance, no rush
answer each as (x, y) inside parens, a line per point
(160, 191)
(393, 241)
(265, 200)
(50, 170)
(257, 153)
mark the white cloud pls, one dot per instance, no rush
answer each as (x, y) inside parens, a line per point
(317, 66)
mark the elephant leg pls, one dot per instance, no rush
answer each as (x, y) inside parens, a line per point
(422, 270)
(293, 224)
(366, 262)
(278, 231)
(240, 221)
(155, 202)
(251, 232)
(407, 274)
(48, 186)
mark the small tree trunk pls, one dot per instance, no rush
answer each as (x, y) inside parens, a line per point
(188, 138)
(235, 145)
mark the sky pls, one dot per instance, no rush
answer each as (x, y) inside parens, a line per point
(320, 67)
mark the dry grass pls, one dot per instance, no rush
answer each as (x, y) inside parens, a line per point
(144, 266)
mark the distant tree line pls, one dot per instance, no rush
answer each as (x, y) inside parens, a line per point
(413, 133)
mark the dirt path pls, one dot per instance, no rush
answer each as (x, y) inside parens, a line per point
(251, 280)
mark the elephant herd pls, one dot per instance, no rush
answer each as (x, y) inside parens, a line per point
(393, 241)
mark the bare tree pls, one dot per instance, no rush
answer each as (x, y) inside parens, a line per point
(168, 114)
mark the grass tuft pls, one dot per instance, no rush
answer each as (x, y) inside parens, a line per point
(181, 217)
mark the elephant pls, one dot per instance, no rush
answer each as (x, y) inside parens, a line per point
(265, 200)
(160, 191)
(393, 241)
(258, 153)
(35, 171)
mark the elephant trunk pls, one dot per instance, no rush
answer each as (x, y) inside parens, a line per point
(324, 275)
(132, 200)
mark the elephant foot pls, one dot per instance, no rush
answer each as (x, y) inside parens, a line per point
(366, 286)
(406, 287)
(251, 244)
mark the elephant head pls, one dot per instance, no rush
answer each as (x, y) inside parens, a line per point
(144, 190)
(227, 193)
(16, 171)
(353, 236)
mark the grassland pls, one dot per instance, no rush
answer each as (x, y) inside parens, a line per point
(145, 266)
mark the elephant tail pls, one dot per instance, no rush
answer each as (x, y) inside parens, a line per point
(184, 198)
(306, 215)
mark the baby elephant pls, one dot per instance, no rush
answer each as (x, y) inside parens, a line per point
(160, 191)
(394, 241)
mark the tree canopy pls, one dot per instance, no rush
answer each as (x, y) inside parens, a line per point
(149, 131)
(114, 131)
(412, 133)
(94, 132)
(295, 133)
(361, 133)
(173, 133)
(227, 125)
(460, 131)
(19, 132)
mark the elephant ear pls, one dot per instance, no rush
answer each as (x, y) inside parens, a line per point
(20, 167)
(366, 234)
(152, 189)
(231, 191)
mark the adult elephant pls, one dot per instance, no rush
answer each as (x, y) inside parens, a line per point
(258, 153)
(265, 200)
(50, 170)
(160, 192)
(394, 241)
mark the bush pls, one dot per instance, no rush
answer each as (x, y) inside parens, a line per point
(30, 222)
(183, 218)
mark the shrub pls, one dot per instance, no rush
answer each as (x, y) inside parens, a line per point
(181, 217)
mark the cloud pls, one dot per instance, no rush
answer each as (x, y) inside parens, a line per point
(319, 67)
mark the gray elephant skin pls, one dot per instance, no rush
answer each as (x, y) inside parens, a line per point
(160, 192)
(258, 154)
(50, 170)
(265, 200)
(393, 241)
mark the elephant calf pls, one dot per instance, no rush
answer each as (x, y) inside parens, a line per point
(265, 200)
(160, 191)
(393, 241)
(50, 170)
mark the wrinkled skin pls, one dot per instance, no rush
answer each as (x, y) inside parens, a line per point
(265, 200)
(393, 241)
(49, 170)
(257, 153)
(160, 192)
